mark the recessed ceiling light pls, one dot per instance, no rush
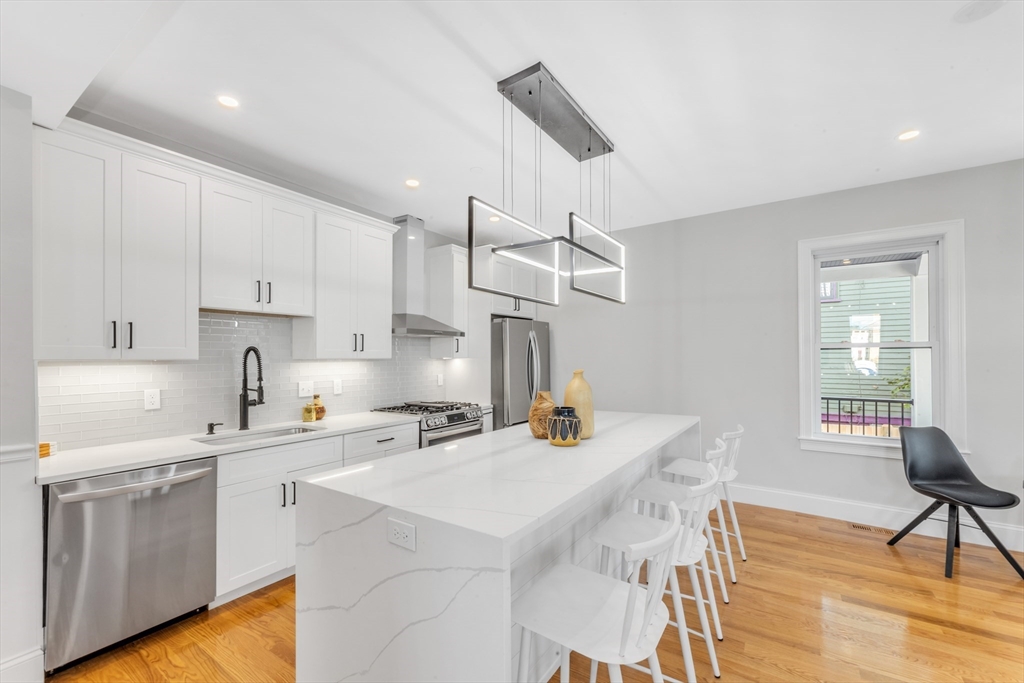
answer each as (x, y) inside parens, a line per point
(412, 237)
(495, 219)
(908, 135)
(227, 101)
(412, 182)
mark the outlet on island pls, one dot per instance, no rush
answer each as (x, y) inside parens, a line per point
(402, 534)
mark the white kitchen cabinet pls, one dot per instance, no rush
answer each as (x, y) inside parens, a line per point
(448, 298)
(353, 293)
(232, 247)
(293, 499)
(257, 252)
(511, 275)
(287, 258)
(252, 531)
(76, 248)
(159, 261)
(379, 443)
(116, 254)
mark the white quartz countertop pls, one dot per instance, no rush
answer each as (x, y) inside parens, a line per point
(505, 483)
(97, 460)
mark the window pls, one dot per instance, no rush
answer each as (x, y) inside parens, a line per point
(881, 342)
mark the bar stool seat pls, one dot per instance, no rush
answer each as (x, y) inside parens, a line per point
(583, 611)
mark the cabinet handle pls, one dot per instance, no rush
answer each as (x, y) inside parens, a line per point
(390, 438)
(293, 493)
(259, 290)
(131, 336)
(456, 345)
(284, 494)
(355, 341)
(362, 342)
(269, 291)
(114, 323)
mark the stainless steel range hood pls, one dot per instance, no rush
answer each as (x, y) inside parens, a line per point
(409, 318)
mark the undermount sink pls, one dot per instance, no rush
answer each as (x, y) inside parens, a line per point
(253, 435)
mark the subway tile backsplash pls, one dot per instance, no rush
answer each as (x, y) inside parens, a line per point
(96, 403)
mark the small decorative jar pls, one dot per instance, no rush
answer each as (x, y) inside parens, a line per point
(540, 411)
(319, 406)
(309, 413)
(564, 426)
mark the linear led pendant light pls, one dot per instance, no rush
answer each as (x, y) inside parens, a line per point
(529, 266)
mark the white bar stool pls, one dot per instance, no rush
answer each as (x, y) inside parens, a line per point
(694, 503)
(577, 608)
(729, 474)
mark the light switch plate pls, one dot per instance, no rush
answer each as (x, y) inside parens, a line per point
(402, 534)
(305, 389)
(152, 399)
(440, 380)
(337, 387)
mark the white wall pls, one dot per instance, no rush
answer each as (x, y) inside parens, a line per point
(710, 328)
(21, 537)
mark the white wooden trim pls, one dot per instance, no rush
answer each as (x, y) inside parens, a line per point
(251, 587)
(951, 342)
(133, 146)
(18, 451)
(885, 516)
(24, 668)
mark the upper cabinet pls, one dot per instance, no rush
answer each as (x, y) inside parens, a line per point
(353, 293)
(116, 254)
(513, 276)
(257, 253)
(448, 298)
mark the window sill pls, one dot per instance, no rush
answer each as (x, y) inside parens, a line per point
(852, 446)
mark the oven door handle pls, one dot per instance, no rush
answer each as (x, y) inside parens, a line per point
(432, 436)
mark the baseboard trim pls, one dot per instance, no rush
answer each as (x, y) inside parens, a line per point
(24, 668)
(254, 586)
(885, 516)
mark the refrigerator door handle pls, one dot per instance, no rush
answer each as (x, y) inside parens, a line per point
(532, 366)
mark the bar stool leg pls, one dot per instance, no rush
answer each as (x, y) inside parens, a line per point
(725, 540)
(593, 670)
(735, 521)
(702, 613)
(656, 668)
(524, 655)
(615, 673)
(684, 635)
(713, 546)
(563, 674)
(711, 597)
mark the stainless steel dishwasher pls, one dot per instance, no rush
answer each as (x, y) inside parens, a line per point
(126, 552)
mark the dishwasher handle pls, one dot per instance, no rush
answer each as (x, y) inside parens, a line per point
(132, 488)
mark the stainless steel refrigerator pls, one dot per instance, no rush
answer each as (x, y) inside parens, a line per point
(520, 367)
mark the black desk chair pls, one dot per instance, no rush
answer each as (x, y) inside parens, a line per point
(935, 468)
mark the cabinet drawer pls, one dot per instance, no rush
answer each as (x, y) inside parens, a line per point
(363, 445)
(277, 460)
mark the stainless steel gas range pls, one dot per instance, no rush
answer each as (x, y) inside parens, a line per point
(444, 421)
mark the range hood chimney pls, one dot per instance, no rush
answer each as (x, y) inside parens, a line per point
(409, 318)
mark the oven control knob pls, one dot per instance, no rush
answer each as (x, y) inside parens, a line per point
(443, 420)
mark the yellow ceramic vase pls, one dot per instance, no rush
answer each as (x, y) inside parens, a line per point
(579, 396)
(540, 411)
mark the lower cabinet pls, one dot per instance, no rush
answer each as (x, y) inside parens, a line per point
(256, 502)
(380, 443)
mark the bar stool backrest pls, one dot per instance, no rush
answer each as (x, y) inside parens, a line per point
(658, 553)
(732, 439)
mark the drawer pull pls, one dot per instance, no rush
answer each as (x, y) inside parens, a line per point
(390, 438)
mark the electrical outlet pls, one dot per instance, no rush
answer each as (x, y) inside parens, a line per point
(402, 534)
(305, 389)
(337, 387)
(440, 380)
(152, 399)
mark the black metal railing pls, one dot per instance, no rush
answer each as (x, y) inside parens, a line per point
(867, 416)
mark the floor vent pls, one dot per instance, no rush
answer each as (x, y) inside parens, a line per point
(874, 529)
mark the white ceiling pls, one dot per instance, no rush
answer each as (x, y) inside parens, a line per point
(711, 105)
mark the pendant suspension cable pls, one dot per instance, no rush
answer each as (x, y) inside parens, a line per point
(540, 152)
(609, 194)
(535, 172)
(590, 176)
(504, 170)
(512, 145)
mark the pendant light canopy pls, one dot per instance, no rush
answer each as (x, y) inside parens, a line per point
(507, 255)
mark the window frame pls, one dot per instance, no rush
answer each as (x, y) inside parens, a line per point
(947, 299)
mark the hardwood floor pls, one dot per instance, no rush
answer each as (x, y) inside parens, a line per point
(817, 600)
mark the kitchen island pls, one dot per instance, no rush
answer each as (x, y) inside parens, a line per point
(489, 512)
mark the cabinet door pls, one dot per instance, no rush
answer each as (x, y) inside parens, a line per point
(373, 293)
(231, 247)
(460, 305)
(524, 280)
(337, 241)
(76, 248)
(293, 500)
(501, 272)
(252, 531)
(159, 261)
(287, 258)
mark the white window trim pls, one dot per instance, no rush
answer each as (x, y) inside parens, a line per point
(951, 414)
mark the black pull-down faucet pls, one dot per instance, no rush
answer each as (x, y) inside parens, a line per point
(243, 399)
